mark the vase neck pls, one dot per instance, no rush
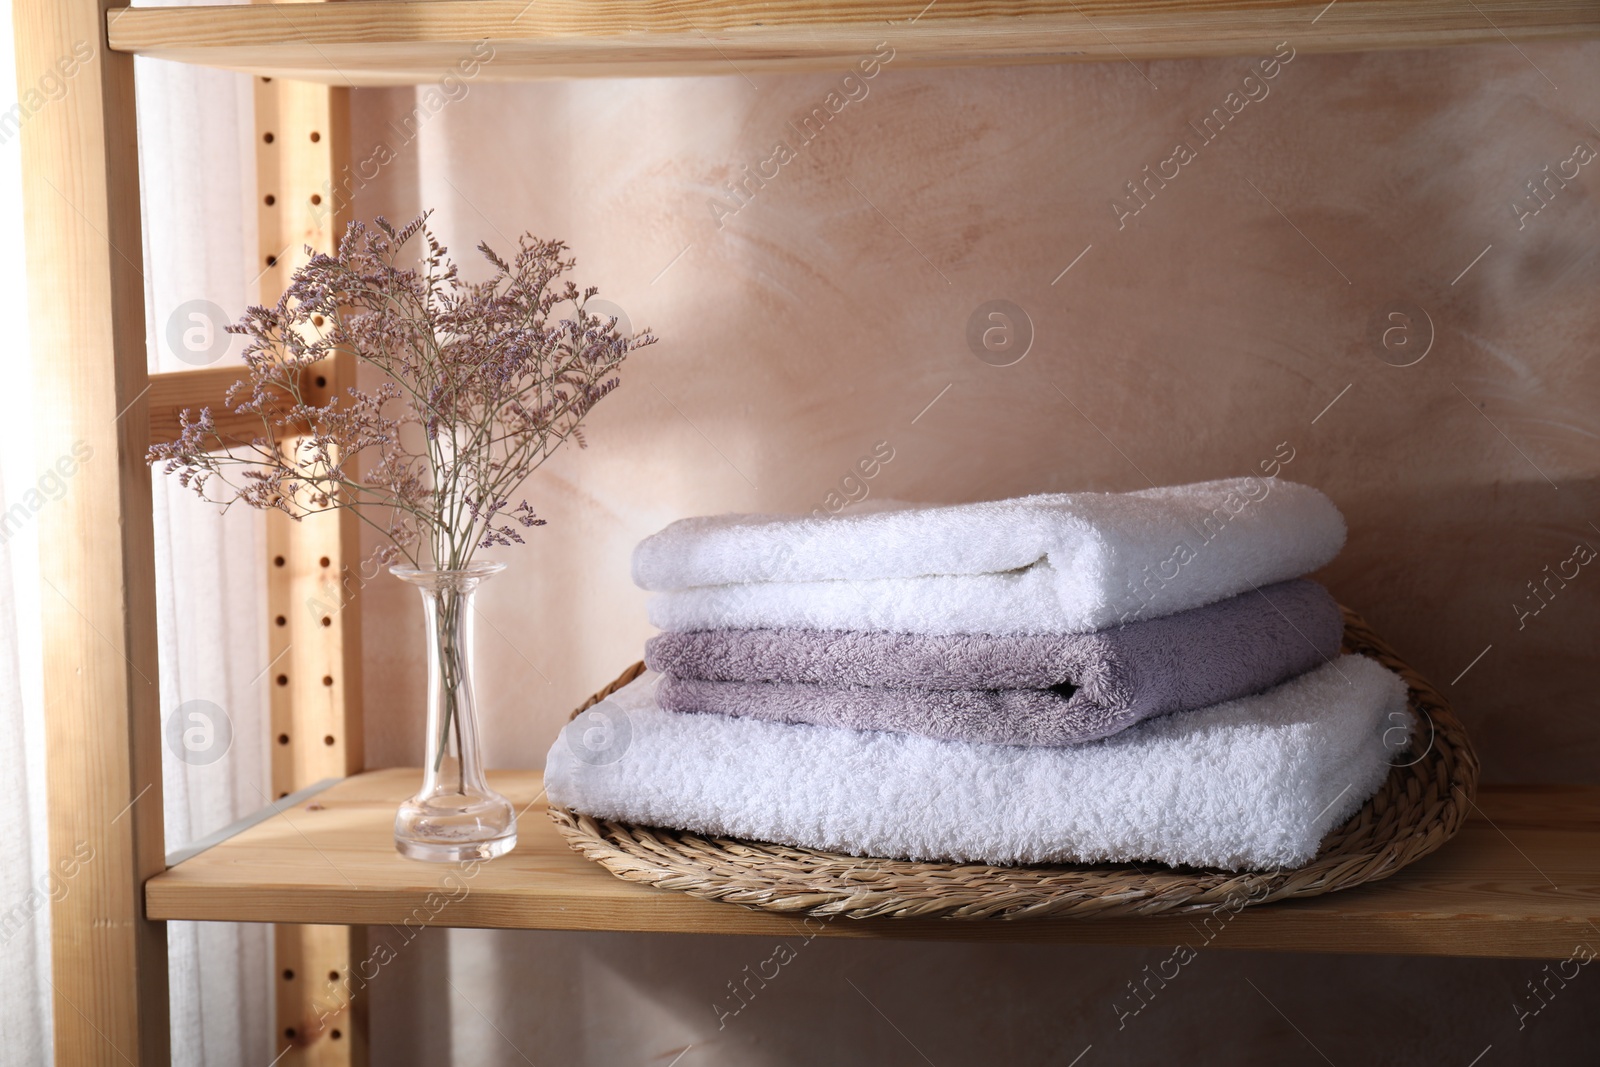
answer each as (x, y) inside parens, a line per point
(444, 579)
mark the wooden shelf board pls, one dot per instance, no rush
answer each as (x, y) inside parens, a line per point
(1521, 879)
(172, 392)
(398, 43)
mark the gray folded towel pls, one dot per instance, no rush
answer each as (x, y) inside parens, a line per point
(1053, 689)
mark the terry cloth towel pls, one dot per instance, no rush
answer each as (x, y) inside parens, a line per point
(1061, 689)
(1060, 563)
(1250, 784)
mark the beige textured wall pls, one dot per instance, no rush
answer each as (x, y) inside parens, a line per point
(1218, 322)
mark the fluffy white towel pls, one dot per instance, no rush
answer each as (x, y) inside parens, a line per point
(1252, 783)
(1059, 563)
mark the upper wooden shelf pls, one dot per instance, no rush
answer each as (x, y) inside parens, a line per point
(403, 43)
(1521, 879)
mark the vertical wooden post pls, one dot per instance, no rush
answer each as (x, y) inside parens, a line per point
(80, 160)
(302, 143)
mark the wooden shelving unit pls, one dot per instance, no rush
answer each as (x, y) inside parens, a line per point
(367, 43)
(1522, 879)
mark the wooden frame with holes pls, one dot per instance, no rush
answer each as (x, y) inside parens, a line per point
(314, 644)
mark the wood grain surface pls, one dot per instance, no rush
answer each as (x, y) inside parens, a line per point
(1521, 879)
(366, 43)
(103, 733)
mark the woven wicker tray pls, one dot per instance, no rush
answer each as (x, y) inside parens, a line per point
(1419, 807)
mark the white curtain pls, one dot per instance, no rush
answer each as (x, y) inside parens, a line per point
(197, 157)
(24, 890)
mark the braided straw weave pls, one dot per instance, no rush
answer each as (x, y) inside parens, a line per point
(1419, 807)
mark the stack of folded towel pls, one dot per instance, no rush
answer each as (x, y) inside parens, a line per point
(1084, 677)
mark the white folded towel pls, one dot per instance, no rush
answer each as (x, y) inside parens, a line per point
(1249, 784)
(1058, 563)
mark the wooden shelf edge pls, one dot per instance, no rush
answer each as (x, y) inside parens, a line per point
(366, 43)
(1521, 880)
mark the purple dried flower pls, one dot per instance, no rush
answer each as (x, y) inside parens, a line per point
(481, 383)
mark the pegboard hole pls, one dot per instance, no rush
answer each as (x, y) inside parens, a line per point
(289, 1033)
(324, 561)
(272, 261)
(315, 136)
(333, 976)
(328, 740)
(316, 198)
(277, 561)
(267, 137)
(271, 199)
(281, 621)
(322, 383)
(316, 320)
(283, 679)
(288, 976)
(327, 679)
(327, 620)
(336, 1035)
(283, 739)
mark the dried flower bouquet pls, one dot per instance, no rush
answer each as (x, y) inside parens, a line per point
(478, 384)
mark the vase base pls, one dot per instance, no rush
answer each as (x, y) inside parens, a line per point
(455, 851)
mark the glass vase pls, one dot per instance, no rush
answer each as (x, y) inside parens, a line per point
(456, 817)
